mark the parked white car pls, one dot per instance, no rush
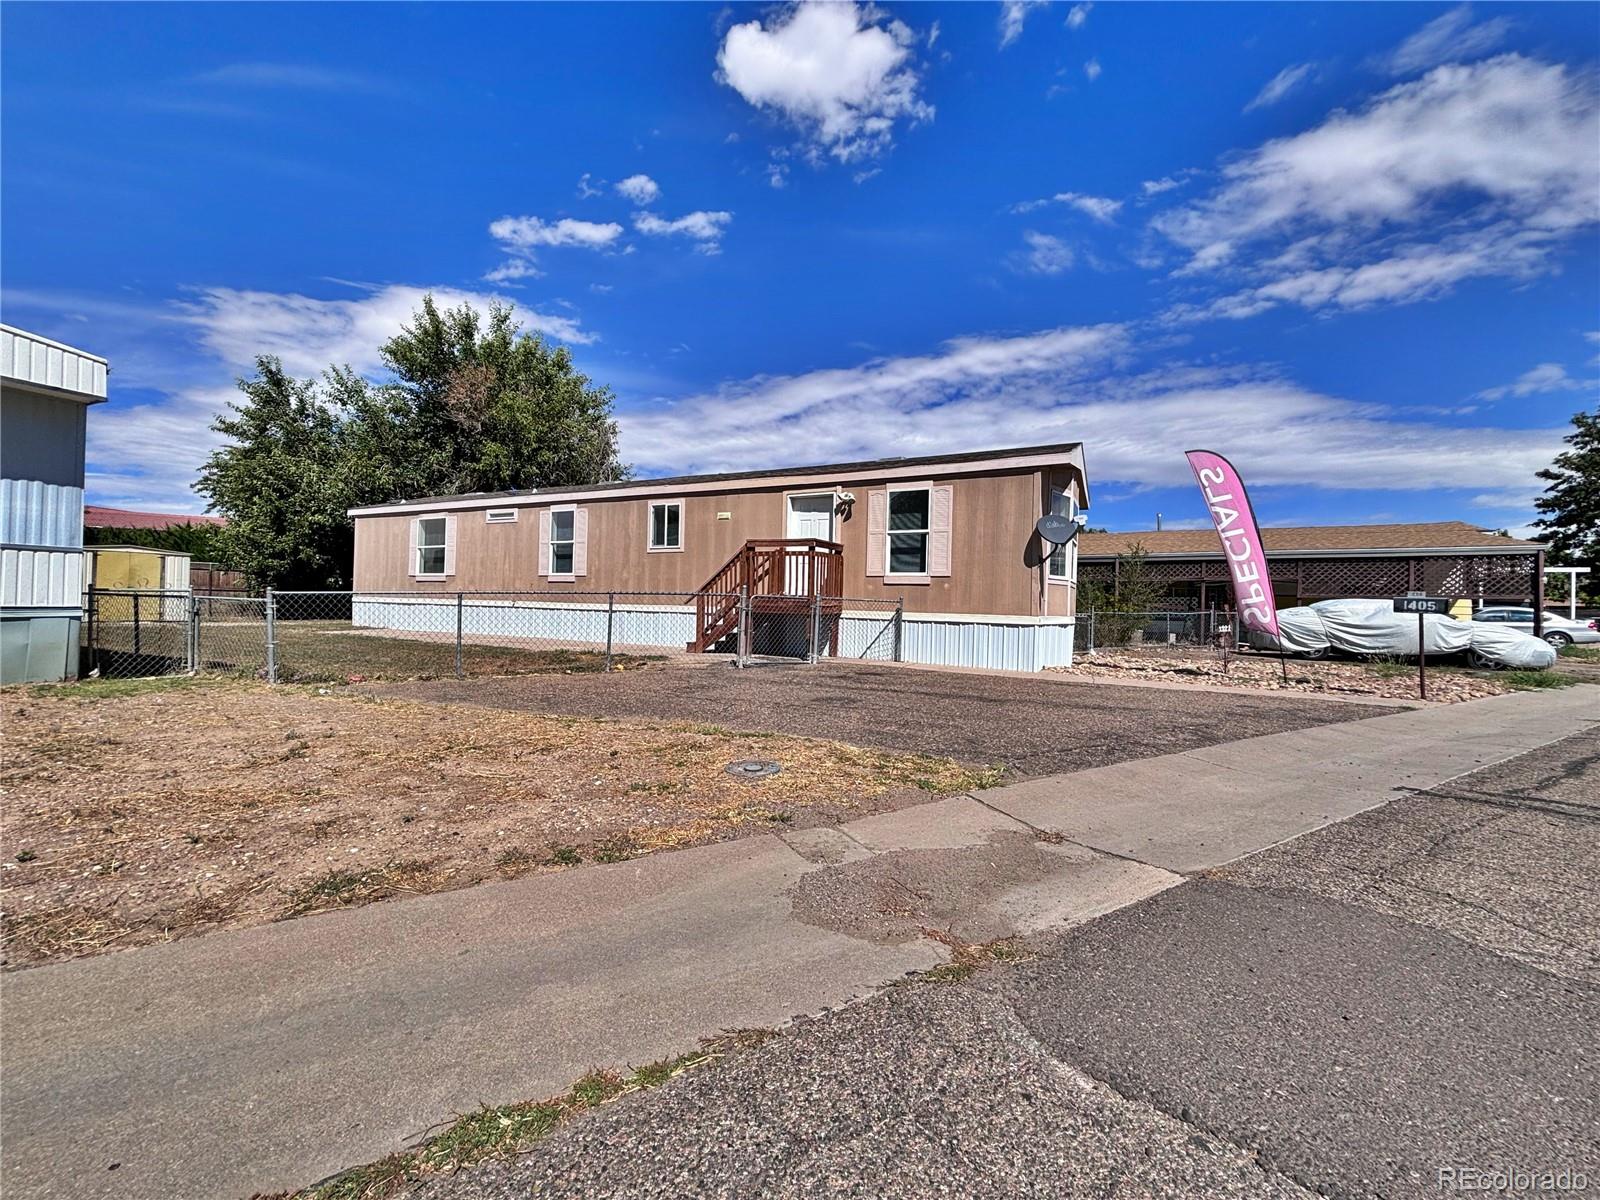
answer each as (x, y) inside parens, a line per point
(1371, 628)
(1559, 631)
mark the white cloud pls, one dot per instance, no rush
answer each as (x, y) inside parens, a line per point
(1452, 37)
(1101, 208)
(291, 77)
(1408, 274)
(1063, 385)
(526, 233)
(1470, 171)
(1281, 84)
(587, 189)
(1013, 14)
(519, 237)
(1046, 255)
(308, 334)
(147, 454)
(1154, 187)
(705, 228)
(640, 189)
(1537, 381)
(512, 269)
(841, 73)
(1078, 15)
(1092, 69)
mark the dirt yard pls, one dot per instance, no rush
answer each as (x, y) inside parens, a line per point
(1447, 683)
(142, 812)
(1043, 724)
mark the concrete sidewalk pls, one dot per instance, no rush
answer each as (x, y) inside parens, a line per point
(273, 1056)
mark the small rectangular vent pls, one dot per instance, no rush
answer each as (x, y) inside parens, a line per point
(497, 515)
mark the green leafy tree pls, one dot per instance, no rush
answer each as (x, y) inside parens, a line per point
(473, 405)
(201, 541)
(1122, 608)
(497, 410)
(281, 482)
(1569, 510)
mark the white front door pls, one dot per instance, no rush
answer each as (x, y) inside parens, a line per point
(810, 516)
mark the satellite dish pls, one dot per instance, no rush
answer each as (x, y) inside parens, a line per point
(1057, 530)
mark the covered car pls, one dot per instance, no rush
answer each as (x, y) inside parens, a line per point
(1372, 629)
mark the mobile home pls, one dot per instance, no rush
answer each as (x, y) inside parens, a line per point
(46, 390)
(949, 538)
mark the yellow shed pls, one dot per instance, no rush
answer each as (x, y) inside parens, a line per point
(135, 568)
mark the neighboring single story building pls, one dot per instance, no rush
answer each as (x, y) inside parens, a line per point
(1324, 562)
(98, 516)
(949, 537)
(46, 390)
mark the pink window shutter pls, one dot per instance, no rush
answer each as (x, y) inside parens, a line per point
(416, 534)
(877, 531)
(450, 544)
(580, 541)
(941, 504)
(544, 541)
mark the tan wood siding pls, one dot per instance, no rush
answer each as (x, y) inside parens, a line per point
(993, 555)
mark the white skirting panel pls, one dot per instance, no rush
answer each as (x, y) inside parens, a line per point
(996, 643)
(657, 626)
(953, 640)
(41, 579)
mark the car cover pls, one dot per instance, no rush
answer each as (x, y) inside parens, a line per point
(1301, 630)
(1511, 647)
(1372, 628)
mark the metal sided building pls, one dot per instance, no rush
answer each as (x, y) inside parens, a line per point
(950, 539)
(46, 390)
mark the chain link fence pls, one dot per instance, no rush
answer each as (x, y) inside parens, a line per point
(811, 628)
(137, 634)
(304, 636)
(1102, 630)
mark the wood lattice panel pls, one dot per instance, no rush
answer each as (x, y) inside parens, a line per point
(1471, 577)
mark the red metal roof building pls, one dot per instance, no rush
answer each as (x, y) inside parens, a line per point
(97, 516)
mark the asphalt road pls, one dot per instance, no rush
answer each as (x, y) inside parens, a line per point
(1344, 1014)
(1032, 725)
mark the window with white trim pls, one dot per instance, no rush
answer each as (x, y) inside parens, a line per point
(909, 511)
(666, 525)
(431, 545)
(562, 522)
(1060, 506)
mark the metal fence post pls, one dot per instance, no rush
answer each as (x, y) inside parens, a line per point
(194, 633)
(272, 637)
(814, 650)
(899, 629)
(1091, 631)
(460, 609)
(138, 603)
(91, 615)
(741, 640)
(611, 618)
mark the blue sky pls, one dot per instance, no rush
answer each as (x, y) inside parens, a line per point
(1354, 247)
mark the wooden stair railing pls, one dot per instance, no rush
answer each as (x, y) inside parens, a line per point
(762, 568)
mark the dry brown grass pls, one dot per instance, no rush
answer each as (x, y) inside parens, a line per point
(140, 816)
